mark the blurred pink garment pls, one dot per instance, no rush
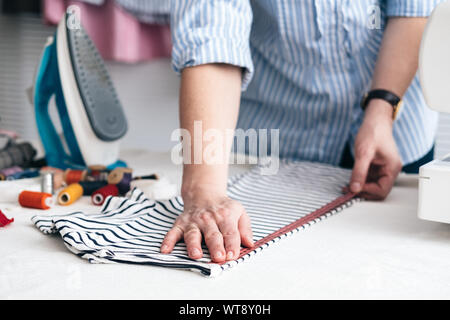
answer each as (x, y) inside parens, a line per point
(116, 33)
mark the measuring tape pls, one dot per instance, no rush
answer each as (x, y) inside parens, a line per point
(342, 200)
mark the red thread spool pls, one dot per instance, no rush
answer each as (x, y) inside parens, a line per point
(35, 200)
(74, 176)
(98, 173)
(99, 196)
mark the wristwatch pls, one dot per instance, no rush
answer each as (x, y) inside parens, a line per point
(388, 96)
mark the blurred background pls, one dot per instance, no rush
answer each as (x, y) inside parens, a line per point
(136, 46)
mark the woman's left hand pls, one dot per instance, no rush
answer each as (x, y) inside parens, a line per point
(377, 161)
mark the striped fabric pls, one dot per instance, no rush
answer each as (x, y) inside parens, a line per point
(307, 65)
(131, 229)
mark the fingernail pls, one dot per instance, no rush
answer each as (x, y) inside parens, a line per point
(195, 252)
(355, 187)
(230, 255)
(164, 248)
(218, 255)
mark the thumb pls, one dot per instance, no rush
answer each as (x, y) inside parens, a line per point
(245, 230)
(363, 158)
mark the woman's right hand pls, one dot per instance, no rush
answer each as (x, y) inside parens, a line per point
(222, 222)
(210, 94)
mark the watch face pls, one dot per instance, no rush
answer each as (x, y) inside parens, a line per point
(397, 110)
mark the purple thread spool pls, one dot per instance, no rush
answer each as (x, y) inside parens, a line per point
(121, 177)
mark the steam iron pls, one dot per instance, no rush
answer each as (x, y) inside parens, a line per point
(89, 110)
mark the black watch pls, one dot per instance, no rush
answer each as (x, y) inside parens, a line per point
(394, 100)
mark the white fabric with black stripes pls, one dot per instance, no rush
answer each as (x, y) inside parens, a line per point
(130, 229)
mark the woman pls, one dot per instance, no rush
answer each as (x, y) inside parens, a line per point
(303, 67)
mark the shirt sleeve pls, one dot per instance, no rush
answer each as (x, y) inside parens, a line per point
(411, 8)
(212, 31)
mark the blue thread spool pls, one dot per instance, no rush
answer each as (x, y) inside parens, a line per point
(89, 187)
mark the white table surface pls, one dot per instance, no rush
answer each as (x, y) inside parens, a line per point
(371, 250)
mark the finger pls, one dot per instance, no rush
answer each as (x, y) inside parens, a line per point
(172, 237)
(369, 196)
(378, 190)
(363, 158)
(231, 238)
(193, 241)
(214, 241)
(245, 229)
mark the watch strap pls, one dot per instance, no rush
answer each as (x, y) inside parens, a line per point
(386, 95)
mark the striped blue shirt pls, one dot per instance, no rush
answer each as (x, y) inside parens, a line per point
(307, 64)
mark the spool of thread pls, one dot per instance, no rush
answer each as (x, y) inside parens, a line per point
(2, 177)
(11, 171)
(70, 194)
(47, 185)
(121, 177)
(74, 176)
(95, 171)
(99, 196)
(35, 200)
(98, 176)
(98, 173)
(58, 176)
(89, 187)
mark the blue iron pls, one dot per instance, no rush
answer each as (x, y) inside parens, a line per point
(93, 122)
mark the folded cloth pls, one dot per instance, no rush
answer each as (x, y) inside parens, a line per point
(130, 229)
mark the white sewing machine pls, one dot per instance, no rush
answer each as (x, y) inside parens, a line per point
(434, 72)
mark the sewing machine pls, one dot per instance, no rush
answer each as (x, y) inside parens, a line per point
(434, 72)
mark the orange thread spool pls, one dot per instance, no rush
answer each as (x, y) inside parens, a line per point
(35, 200)
(74, 176)
(70, 194)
